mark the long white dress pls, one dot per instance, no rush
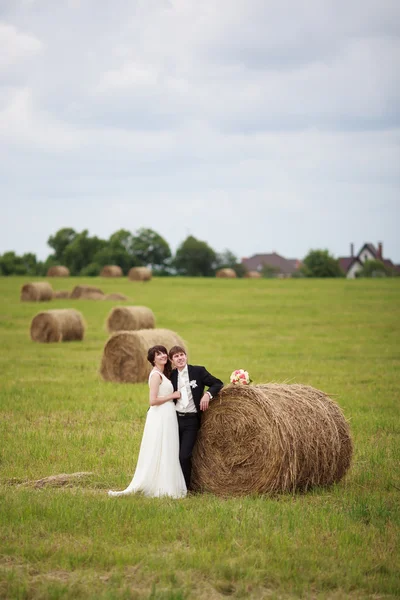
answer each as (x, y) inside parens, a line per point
(158, 471)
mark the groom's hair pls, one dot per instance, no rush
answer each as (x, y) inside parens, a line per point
(176, 350)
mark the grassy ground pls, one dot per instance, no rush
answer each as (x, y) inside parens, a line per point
(58, 416)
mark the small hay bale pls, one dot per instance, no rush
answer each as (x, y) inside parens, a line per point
(125, 353)
(118, 297)
(253, 275)
(130, 318)
(111, 271)
(87, 292)
(58, 271)
(139, 274)
(59, 325)
(226, 273)
(40, 291)
(270, 439)
(61, 294)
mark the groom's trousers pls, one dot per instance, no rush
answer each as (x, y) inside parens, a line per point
(189, 425)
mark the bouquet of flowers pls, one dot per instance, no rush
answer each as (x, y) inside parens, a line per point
(240, 377)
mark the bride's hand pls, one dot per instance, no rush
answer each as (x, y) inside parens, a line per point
(176, 395)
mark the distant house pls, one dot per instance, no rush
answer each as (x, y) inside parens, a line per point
(285, 267)
(351, 265)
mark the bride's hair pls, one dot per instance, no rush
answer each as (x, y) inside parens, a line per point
(151, 354)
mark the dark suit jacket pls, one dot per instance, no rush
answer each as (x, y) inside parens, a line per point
(201, 377)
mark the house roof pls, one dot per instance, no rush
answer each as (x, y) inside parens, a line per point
(369, 247)
(345, 262)
(286, 266)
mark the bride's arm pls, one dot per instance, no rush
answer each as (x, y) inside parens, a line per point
(155, 399)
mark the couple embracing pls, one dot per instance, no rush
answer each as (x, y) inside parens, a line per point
(176, 398)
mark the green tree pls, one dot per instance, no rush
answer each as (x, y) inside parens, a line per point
(269, 271)
(30, 263)
(228, 260)
(374, 268)
(91, 270)
(81, 251)
(12, 264)
(319, 263)
(150, 249)
(117, 251)
(195, 258)
(60, 241)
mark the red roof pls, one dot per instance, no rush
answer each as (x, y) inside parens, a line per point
(287, 266)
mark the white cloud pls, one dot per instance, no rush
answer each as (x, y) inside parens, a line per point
(180, 115)
(16, 46)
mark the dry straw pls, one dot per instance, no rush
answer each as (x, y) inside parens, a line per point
(252, 275)
(40, 291)
(227, 273)
(62, 325)
(61, 480)
(130, 318)
(118, 297)
(125, 353)
(271, 438)
(111, 271)
(139, 274)
(87, 292)
(58, 271)
(61, 294)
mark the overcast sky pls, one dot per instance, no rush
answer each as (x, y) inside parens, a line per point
(255, 125)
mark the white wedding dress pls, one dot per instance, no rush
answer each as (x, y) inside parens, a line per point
(158, 471)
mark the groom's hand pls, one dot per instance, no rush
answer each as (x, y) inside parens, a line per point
(204, 402)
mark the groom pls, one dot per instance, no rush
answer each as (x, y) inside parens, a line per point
(190, 381)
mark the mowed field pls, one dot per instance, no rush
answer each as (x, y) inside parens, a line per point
(58, 416)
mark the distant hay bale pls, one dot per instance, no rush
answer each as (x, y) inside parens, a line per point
(111, 271)
(59, 325)
(139, 274)
(58, 271)
(118, 297)
(130, 318)
(253, 275)
(58, 294)
(270, 438)
(125, 353)
(227, 273)
(40, 291)
(87, 292)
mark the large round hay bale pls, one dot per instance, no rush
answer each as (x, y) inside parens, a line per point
(40, 291)
(139, 274)
(87, 292)
(252, 275)
(125, 353)
(111, 271)
(270, 438)
(130, 318)
(61, 294)
(58, 271)
(227, 273)
(59, 325)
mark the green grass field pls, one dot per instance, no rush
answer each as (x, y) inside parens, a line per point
(58, 416)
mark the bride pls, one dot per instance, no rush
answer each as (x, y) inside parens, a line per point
(158, 472)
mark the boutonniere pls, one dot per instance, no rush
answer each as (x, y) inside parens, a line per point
(193, 383)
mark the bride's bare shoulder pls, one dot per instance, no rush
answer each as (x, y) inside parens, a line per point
(158, 373)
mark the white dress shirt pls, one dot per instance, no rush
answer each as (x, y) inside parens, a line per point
(183, 381)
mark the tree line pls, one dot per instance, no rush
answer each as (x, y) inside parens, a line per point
(86, 255)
